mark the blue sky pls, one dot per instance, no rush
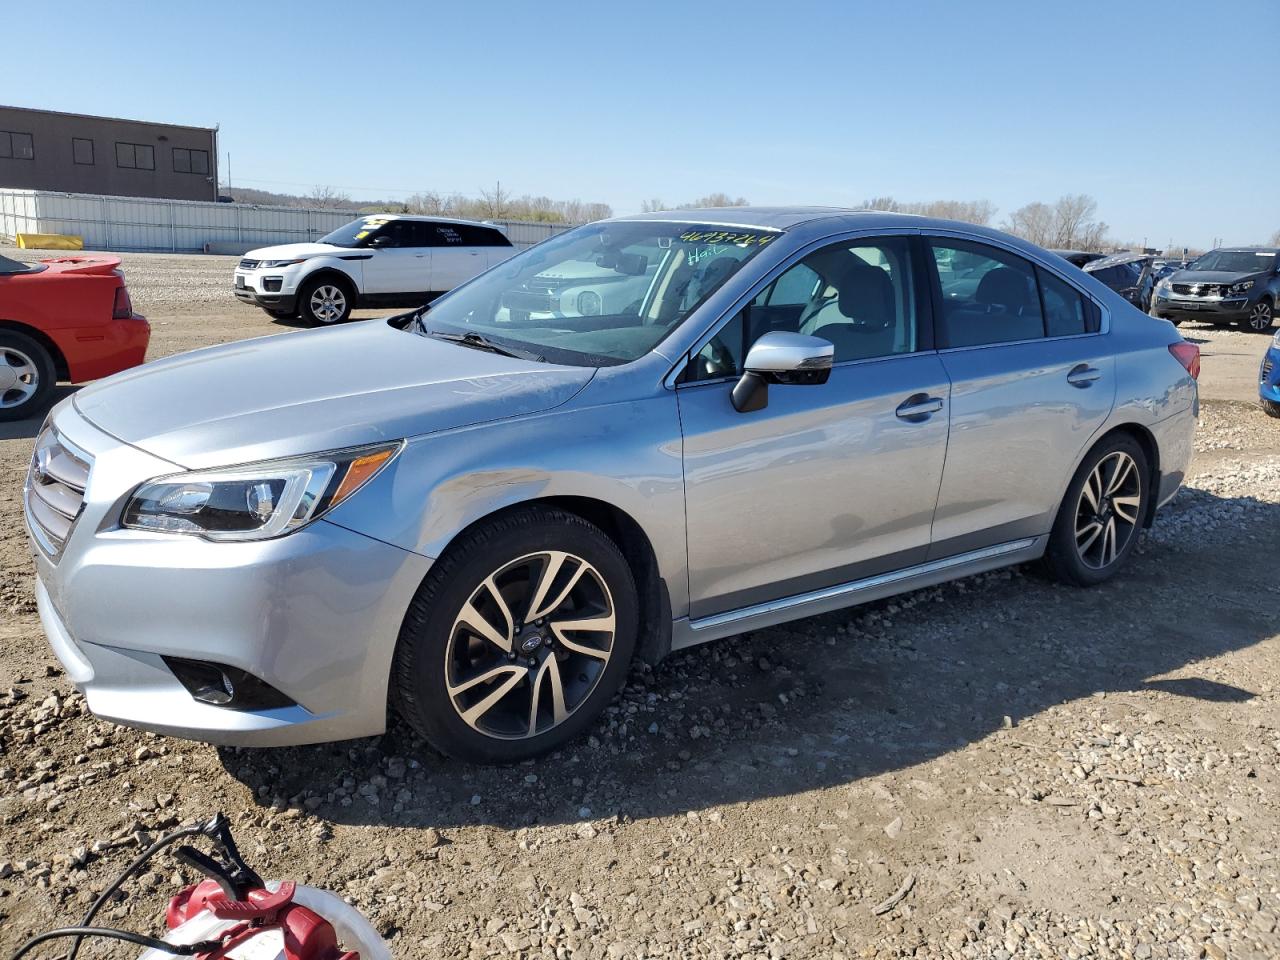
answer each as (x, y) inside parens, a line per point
(1164, 112)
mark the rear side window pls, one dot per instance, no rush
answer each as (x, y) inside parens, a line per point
(482, 236)
(988, 295)
(1066, 312)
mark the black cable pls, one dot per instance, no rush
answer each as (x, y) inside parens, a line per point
(129, 871)
(141, 939)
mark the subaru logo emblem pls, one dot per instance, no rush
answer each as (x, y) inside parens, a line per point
(530, 644)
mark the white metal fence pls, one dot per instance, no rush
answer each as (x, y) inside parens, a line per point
(139, 223)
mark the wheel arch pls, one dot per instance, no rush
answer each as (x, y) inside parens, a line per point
(654, 634)
(60, 364)
(333, 273)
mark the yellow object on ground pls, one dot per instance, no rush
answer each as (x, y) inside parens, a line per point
(49, 241)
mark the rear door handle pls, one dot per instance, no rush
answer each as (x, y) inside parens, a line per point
(1082, 375)
(919, 406)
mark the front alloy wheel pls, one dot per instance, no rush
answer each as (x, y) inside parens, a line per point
(1107, 512)
(328, 303)
(529, 645)
(1260, 317)
(518, 637)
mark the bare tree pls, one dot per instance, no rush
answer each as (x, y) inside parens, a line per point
(1069, 224)
(1033, 222)
(653, 205)
(496, 203)
(326, 196)
(1275, 239)
(714, 200)
(970, 211)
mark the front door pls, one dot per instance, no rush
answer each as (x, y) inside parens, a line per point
(401, 263)
(827, 484)
(1032, 381)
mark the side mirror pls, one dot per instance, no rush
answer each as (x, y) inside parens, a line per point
(784, 358)
(382, 241)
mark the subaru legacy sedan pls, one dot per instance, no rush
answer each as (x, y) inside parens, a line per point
(479, 513)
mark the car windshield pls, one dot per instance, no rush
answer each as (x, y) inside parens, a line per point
(601, 295)
(1236, 261)
(355, 233)
(13, 266)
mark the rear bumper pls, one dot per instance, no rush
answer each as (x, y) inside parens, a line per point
(1223, 311)
(99, 351)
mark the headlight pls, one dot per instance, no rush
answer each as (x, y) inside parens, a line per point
(1164, 284)
(589, 303)
(275, 264)
(1240, 287)
(257, 501)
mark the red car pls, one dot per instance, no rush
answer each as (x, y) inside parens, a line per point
(66, 318)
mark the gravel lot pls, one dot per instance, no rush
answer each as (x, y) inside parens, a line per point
(995, 768)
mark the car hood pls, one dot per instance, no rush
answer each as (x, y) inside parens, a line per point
(320, 390)
(1210, 276)
(293, 251)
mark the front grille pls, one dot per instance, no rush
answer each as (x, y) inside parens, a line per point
(54, 491)
(248, 264)
(1199, 289)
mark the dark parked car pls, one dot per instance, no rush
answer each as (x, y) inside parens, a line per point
(1078, 257)
(1240, 285)
(1128, 274)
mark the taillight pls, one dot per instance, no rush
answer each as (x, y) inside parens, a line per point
(123, 308)
(1187, 354)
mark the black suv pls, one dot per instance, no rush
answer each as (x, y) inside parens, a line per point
(1240, 285)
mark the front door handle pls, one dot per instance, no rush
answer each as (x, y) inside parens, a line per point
(919, 406)
(1082, 375)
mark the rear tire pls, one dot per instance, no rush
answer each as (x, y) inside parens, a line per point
(488, 667)
(1101, 516)
(325, 301)
(27, 376)
(1270, 407)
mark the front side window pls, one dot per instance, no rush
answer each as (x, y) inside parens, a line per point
(988, 295)
(357, 233)
(600, 295)
(856, 295)
(16, 146)
(135, 156)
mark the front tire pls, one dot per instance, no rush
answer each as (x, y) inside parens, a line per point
(27, 376)
(1101, 516)
(325, 301)
(517, 639)
(1261, 317)
(1269, 407)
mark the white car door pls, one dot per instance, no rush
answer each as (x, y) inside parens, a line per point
(400, 263)
(453, 260)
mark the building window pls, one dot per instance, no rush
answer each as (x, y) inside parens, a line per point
(16, 146)
(135, 156)
(190, 161)
(82, 151)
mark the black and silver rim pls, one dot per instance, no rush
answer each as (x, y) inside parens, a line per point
(328, 303)
(529, 645)
(19, 378)
(1107, 514)
(1260, 316)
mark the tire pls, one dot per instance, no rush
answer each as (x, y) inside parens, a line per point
(325, 301)
(1088, 546)
(27, 376)
(1261, 317)
(481, 685)
(1269, 407)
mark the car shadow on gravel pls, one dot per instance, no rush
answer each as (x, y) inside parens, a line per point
(827, 701)
(28, 428)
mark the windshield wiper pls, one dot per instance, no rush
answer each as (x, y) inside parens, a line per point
(477, 342)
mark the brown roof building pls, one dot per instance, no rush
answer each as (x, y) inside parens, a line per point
(75, 153)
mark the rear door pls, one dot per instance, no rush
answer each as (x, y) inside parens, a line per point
(456, 256)
(1032, 379)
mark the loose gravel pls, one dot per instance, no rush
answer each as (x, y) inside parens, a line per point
(999, 767)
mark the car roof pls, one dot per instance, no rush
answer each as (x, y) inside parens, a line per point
(1115, 260)
(783, 218)
(427, 219)
(1245, 250)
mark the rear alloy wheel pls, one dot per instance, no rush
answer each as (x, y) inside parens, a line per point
(1101, 516)
(27, 376)
(1260, 317)
(324, 302)
(518, 638)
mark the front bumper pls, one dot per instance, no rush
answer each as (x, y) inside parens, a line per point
(1269, 375)
(314, 614)
(1227, 310)
(269, 289)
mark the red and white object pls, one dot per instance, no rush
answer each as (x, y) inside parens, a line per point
(284, 921)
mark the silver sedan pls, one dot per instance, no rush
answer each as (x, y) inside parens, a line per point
(481, 512)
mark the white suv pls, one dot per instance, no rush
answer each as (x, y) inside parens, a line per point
(381, 260)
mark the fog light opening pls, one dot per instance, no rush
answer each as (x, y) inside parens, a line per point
(222, 686)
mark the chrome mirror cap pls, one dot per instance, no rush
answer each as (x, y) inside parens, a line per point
(782, 352)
